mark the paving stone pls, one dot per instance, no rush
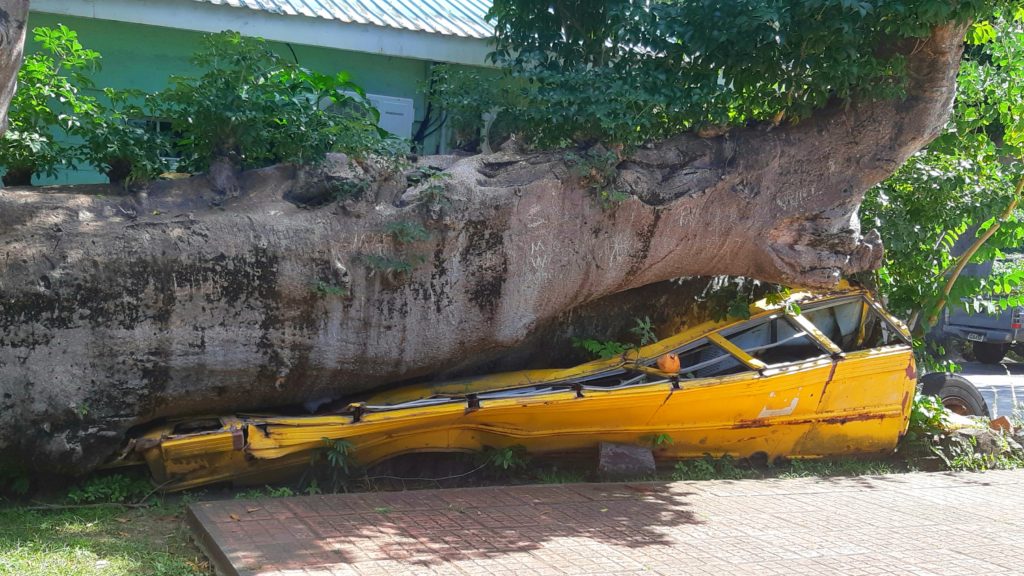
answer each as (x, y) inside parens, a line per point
(942, 524)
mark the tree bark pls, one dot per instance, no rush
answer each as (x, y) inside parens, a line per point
(118, 311)
(13, 18)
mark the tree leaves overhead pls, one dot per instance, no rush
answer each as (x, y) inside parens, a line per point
(960, 184)
(627, 71)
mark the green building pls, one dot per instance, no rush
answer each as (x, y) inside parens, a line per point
(388, 46)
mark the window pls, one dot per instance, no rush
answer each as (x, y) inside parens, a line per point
(171, 153)
(776, 341)
(841, 322)
(704, 360)
(879, 332)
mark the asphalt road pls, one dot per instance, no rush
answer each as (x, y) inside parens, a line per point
(1002, 385)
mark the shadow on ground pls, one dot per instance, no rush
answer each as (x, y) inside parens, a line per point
(433, 527)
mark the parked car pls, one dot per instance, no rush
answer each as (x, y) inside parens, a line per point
(835, 377)
(991, 333)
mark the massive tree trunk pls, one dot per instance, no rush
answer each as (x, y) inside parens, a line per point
(13, 17)
(118, 311)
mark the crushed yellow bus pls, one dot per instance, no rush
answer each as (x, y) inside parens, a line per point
(834, 376)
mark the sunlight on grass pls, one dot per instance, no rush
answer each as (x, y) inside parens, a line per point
(106, 541)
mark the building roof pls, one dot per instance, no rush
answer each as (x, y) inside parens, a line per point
(464, 18)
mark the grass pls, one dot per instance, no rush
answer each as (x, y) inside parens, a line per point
(108, 541)
(726, 468)
(827, 467)
(554, 475)
(265, 492)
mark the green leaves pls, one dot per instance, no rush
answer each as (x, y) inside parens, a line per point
(643, 330)
(948, 195)
(601, 349)
(249, 106)
(256, 109)
(981, 33)
(48, 102)
(117, 143)
(630, 71)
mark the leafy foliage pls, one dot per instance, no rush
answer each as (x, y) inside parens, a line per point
(629, 71)
(49, 101)
(601, 348)
(958, 187)
(115, 488)
(928, 420)
(117, 144)
(339, 458)
(349, 189)
(329, 289)
(960, 453)
(433, 195)
(250, 107)
(825, 467)
(15, 478)
(504, 461)
(660, 440)
(265, 492)
(338, 454)
(731, 296)
(406, 231)
(467, 96)
(595, 169)
(643, 330)
(927, 435)
(710, 468)
(254, 108)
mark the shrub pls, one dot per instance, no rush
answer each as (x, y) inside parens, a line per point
(115, 488)
(253, 108)
(116, 144)
(48, 101)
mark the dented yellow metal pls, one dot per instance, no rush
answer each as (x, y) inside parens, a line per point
(821, 401)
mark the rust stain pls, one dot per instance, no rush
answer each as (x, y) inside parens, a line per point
(764, 422)
(911, 370)
(831, 374)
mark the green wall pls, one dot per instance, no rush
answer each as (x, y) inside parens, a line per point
(139, 56)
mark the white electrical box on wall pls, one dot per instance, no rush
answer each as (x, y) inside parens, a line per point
(396, 114)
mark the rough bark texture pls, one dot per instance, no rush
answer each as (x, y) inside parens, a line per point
(117, 311)
(13, 18)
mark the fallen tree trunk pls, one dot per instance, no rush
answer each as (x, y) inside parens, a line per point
(115, 311)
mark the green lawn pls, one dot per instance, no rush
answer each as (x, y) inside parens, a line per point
(101, 541)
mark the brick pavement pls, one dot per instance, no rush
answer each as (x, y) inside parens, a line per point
(945, 524)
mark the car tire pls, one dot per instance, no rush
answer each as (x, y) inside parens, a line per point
(990, 352)
(956, 393)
